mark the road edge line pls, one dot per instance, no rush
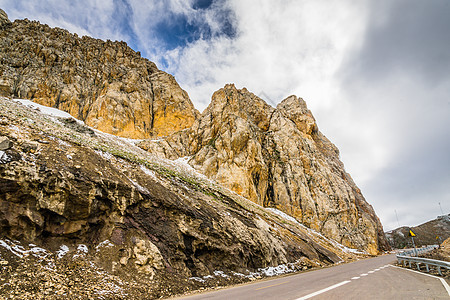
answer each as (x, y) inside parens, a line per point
(444, 283)
(323, 290)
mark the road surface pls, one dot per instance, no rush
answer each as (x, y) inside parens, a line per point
(373, 278)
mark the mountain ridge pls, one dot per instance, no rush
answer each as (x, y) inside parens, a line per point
(429, 233)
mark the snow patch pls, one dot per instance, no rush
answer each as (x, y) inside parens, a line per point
(13, 248)
(105, 243)
(63, 250)
(221, 274)
(139, 187)
(182, 164)
(3, 156)
(21, 252)
(82, 250)
(130, 141)
(197, 279)
(311, 231)
(105, 155)
(283, 215)
(44, 109)
(148, 172)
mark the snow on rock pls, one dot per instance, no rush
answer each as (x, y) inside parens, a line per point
(182, 164)
(18, 250)
(150, 173)
(104, 244)
(3, 156)
(82, 250)
(311, 231)
(45, 109)
(220, 273)
(105, 155)
(282, 214)
(63, 250)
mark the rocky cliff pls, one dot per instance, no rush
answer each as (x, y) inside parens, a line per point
(96, 215)
(278, 158)
(275, 157)
(106, 84)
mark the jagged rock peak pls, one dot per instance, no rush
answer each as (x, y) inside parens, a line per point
(242, 103)
(295, 109)
(106, 84)
(277, 157)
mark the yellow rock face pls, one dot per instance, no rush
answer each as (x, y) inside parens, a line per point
(105, 84)
(276, 157)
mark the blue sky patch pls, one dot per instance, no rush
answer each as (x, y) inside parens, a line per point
(178, 30)
(202, 4)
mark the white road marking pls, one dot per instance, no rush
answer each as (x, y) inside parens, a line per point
(354, 278)
(323, 290)
(444, 283)
(377, 270)
(370, 272)
(364, 274)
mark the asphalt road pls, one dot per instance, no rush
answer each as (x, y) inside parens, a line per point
(371, 278)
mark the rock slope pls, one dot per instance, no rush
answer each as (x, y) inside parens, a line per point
(106, 84)
(153, 227)
(278, 158)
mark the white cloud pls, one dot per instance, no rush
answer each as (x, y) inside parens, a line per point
(292, 47)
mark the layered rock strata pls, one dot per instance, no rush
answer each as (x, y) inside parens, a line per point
(278, 158)
(106, 84)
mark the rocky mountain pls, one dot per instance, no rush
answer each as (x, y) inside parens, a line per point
(106, 84)
(65, 184)
(91, 214)
(426, 233)
(278, 158)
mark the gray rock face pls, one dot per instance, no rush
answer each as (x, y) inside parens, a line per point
(277, 158)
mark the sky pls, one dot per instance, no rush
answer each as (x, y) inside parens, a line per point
(375, 74)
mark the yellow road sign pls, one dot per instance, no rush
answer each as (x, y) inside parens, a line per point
(411, 233)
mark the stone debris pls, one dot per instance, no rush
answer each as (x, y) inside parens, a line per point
(5, 143)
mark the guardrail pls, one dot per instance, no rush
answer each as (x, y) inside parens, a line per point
(415, 252)
(438, 264)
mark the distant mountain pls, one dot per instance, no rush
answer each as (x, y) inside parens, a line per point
(426, 233)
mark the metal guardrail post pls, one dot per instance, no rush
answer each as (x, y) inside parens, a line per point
(427, 262)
